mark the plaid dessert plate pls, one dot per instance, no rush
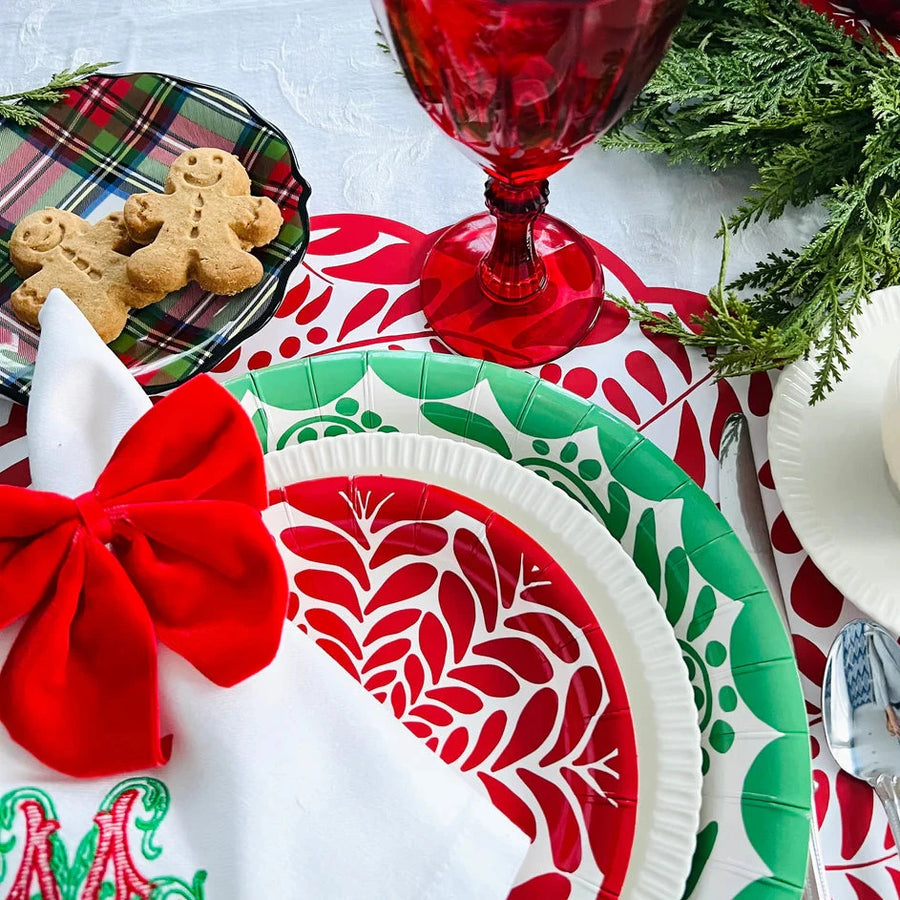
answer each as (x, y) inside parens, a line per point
(115, 135)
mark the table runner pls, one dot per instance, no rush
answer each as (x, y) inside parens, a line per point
(357, 288)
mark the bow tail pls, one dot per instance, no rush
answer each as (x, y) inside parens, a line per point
(78, 689)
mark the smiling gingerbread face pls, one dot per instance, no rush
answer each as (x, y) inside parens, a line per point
(201, 228)
(208, 169)
(55, 248)
(38, 233)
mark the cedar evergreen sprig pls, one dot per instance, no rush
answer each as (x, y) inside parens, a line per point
(730, 323)
(818, 113)
(17, 108)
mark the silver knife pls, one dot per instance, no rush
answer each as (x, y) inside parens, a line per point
(741, 504)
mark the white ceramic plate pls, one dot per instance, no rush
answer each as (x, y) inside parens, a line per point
(645, 649)
(829, 469)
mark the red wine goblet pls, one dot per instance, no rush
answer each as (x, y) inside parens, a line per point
(522, 85)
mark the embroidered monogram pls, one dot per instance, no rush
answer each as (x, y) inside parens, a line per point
(105, 864)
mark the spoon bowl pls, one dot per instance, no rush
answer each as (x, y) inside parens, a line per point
(861, 710)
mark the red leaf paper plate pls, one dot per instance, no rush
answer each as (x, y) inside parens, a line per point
(514, 636)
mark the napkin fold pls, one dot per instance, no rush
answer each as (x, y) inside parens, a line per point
(294, 783)
(82, 401)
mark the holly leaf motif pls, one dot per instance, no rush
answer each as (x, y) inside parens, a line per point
(84, 856)
(469, 425)
(59, 863)
(704, 610)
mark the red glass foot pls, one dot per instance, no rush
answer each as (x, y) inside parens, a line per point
(518, 333)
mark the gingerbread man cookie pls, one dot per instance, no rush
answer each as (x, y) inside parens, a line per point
(202, 226)
(57, 249)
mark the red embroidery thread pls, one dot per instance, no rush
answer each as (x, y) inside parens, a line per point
(112, 847)
(36, 856)
(105, 864)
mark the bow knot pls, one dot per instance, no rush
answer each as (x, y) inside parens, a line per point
(196, 569)
(94, 517)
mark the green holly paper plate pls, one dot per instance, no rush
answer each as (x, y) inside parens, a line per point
(756, 773)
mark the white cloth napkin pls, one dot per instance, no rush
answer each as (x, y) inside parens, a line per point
(295, 783)
(82, 401)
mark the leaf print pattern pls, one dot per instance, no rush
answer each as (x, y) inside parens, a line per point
(479, 660)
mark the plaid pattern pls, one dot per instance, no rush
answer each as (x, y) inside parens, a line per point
(117, 135)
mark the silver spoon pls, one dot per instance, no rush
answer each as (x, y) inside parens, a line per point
(861, 710)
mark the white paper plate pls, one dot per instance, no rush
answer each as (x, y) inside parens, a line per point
(646, 651)
(829, 469)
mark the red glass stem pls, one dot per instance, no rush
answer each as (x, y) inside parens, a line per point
(512, 271)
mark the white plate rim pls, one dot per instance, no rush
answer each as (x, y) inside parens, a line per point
(655, 677)
(793, 423)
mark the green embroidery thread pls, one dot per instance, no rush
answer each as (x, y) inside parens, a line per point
(28, 820)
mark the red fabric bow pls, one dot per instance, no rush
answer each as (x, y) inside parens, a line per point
(169, 546)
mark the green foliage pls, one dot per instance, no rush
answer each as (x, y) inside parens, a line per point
(17, 107)
(775, 84)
